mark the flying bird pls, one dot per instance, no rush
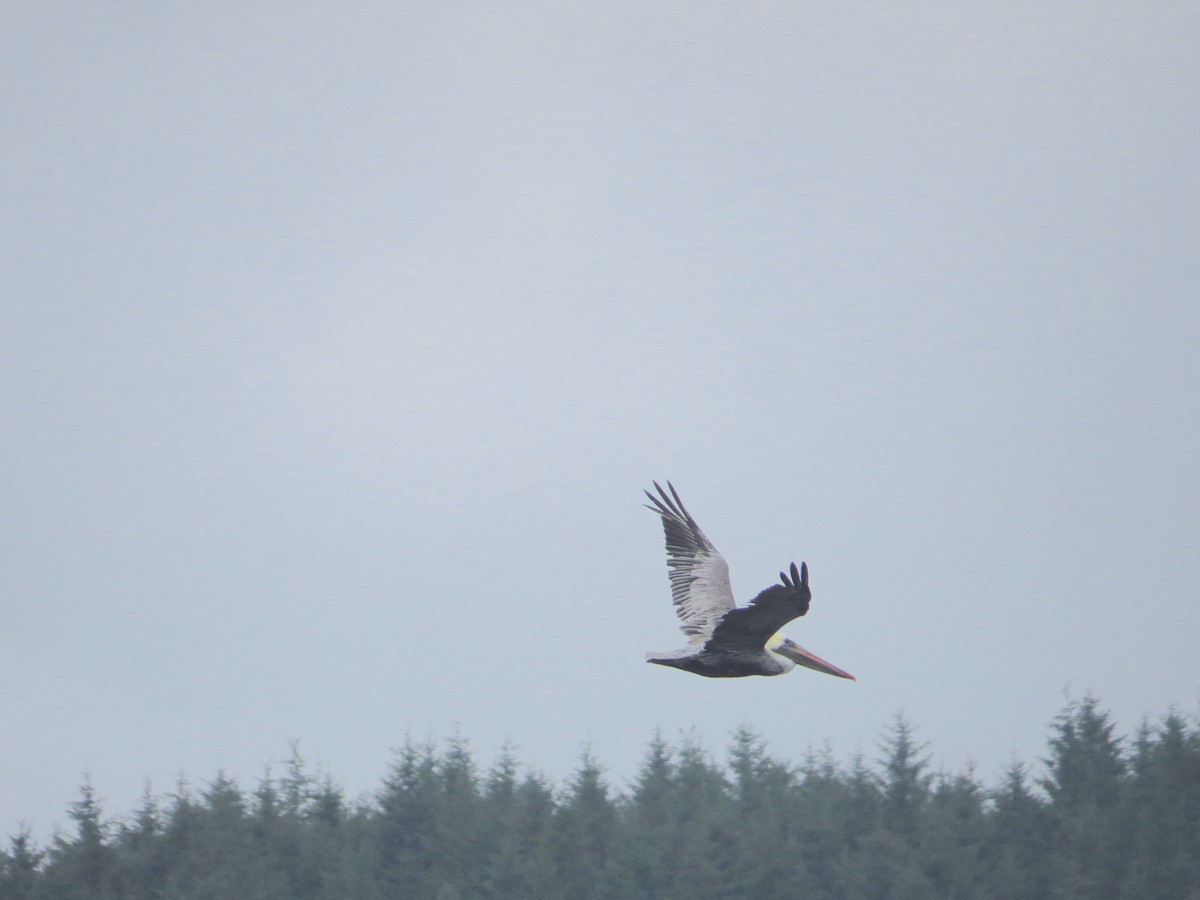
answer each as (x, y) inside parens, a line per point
(725, 640)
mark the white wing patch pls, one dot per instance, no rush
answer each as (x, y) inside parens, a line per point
(699, 575)
(702, 594)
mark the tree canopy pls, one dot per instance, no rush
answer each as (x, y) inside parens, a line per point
(1111, 817)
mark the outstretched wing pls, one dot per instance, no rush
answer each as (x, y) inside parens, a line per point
(750, 627)
(699, 575)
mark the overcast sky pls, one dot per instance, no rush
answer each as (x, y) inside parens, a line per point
(338, 341)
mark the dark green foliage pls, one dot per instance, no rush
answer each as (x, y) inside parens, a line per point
(19, 867)
(1086, 782)
(81, 866)
(584, 839)
(1085, 765)
(1109, 819)
(1018, 849)
(905, 781)
(1162, 812)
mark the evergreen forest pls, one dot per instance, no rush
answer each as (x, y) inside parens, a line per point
(1101, 816)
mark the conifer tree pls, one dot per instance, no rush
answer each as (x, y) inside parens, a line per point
(19, 867)
(585, 836)
(456, 814)
(653, 831)
(822, 805)
(764, 839)
(1162, 807)
(80, 866)
(141, 862)
(705, 809)
(954, 837)
(405, 828)
(864, 803)
(1084, 782)
(1085, 764)
(504, 873)
(905, 780)
(1020, 831)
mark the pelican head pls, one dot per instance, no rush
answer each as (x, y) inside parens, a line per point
(795, 655)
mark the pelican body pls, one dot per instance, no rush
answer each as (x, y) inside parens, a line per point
(725, 640)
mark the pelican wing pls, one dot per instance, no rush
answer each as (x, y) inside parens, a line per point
(750, 627)
(699, 575)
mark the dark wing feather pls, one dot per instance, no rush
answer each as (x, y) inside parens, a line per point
(699, 575)
(750, 627)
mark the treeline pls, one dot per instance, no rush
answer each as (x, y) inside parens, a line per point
(1111, 817)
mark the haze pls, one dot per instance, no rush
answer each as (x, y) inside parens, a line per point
(339, 342)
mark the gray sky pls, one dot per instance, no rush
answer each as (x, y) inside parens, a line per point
(338, 343)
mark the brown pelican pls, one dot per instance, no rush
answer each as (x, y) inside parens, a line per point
(724, 640)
